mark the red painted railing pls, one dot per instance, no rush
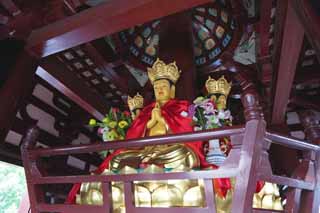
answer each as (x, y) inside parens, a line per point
(248, 162)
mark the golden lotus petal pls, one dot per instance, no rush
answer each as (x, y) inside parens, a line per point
(277, 204)
(153, 169)
(117, 197)
(128, 170)
(142, 196)
(268, 201)
(256, 201)
(194, 197)
(167, 196)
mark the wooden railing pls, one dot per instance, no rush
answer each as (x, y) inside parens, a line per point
(248, 162)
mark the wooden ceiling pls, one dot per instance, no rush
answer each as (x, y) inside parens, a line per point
(70, 41)
(61, 29)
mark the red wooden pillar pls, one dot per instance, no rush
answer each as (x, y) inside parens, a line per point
(177, 45)
(15, 88)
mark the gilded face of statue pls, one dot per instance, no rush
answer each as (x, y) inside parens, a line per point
(222, 102)
(162, 89)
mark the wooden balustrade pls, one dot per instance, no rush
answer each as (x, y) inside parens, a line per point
(247, 161)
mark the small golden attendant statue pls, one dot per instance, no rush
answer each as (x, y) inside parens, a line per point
(267, 195)
(135, 105)
(218, 91)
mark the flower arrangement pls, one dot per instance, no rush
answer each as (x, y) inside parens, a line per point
(114, 125)
(205, 115)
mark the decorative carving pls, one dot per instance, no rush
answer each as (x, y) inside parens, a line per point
(252, 110)
(249, 98)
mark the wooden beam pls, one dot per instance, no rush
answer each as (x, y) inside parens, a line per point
(10, 151)
(264, 34)
(281, 14)
(4, 19)
(105, 19)
(67, 83)
(11, 7)
(95, 54)
(10, 160)
(310, 22)
(14, 90)
(290, 51)
(105, 68)
(306, 103)
(264, 27)
(307, 75)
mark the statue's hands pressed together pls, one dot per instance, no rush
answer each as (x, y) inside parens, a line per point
(156, 117)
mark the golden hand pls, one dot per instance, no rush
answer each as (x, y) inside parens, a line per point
(155, 116)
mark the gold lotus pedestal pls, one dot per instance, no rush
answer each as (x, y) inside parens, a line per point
(171, 193)
(162, 193)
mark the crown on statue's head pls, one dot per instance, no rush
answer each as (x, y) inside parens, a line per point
(160, 70)
(136, 102)
(220, 86)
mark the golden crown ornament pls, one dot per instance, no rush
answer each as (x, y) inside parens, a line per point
(160, 70)
(136, 102)
(220, 86)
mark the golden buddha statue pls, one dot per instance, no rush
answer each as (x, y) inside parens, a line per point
(163, 78)
(165, 116)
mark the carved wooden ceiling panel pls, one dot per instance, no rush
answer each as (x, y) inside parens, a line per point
(80, 63)
(61, 122)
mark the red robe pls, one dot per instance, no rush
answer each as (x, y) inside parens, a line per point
(171, 111)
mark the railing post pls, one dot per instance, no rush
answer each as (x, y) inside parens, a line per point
(129, 196)
(251, 149)
(29, 163)
(310, 201)
(106, 192)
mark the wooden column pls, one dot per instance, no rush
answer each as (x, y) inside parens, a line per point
(290, 51)
(177, 45)
(15, 89)
(288, 40)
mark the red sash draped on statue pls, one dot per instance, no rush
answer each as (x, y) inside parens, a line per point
(171, 112)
